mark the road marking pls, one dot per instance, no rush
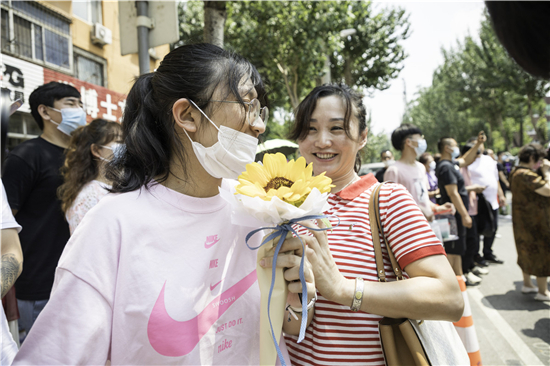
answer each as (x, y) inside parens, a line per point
(516, 343)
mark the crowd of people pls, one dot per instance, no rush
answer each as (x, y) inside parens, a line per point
(473, 181)
(130, 255)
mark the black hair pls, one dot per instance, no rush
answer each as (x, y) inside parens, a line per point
(148, 128)
(423, 159)
(403, 132)
(444, 141)
(385, 151)
(47, 94)
(353, 103)
(522, 28)
(534, 150)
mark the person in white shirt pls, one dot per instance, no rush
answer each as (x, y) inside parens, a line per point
(483, 171)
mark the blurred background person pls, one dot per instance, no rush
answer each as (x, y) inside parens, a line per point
(31, 177)
(472, 272)
(408, 139)
(90, 149)
(386, 157)
(531, 218)
(453, 189)
(502, 164)
(429, 163)
(484, 172)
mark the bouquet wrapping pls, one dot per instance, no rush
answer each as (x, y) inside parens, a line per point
(275, 196)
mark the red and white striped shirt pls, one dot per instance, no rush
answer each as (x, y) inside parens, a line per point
(337, 335)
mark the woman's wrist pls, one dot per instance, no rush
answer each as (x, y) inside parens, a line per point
(344, 292)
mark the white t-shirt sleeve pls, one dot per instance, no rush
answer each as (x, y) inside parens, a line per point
(8, 221)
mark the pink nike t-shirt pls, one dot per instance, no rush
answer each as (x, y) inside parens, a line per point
(152, 277)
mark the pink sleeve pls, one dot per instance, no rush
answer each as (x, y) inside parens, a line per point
(75, 326)
(406, 228)
(73, 329)
(391, 174)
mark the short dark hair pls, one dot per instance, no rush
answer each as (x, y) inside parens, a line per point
(520, 27)
(47, 94)
(385, 151)
(423, 159)
(353, 101)
(193, 72)
(437, 157)
(444, 141)
(401, 133)
(534, 150)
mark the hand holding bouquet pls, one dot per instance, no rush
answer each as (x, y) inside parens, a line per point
(278, 194)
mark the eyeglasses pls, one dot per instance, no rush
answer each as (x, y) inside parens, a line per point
(254, 111)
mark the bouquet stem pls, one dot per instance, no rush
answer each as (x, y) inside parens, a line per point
(268, 352)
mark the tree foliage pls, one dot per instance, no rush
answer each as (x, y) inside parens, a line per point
(289, 41)
(479, 87)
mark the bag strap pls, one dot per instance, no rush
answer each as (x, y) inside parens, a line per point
(374, 217)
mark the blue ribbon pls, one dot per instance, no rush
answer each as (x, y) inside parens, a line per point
(282, 230)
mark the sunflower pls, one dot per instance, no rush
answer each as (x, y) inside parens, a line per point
(289, 181)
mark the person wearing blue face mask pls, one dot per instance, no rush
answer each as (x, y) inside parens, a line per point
(407, 171)
(31, 177)
(453, 189)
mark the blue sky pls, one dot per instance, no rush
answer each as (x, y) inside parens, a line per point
(434, 25)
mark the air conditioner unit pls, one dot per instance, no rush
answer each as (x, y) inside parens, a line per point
(101, 35)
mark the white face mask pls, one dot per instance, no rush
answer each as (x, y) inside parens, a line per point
(228, 157)
(432, 166)
(116, 148)
(389, 163)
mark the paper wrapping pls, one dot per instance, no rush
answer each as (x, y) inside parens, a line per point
(268, 353)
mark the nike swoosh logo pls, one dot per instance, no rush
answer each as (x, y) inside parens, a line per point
(207, 245)
(212, 287)
(174, 338)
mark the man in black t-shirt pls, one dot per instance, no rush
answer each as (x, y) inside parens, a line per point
(31, 177)
(452, 189)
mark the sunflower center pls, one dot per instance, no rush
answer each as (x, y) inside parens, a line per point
(277, 183)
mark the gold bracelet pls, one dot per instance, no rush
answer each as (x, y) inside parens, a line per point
(358, 295)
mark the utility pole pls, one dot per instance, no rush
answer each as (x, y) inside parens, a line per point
(143, 26)
(404, 97)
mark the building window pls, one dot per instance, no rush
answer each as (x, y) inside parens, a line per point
(34, 32)
(89, 67)
(88, 10)
(21, 127)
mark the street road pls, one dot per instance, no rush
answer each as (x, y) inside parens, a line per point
(512, 328)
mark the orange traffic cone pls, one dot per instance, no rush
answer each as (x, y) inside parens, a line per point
(465, 328)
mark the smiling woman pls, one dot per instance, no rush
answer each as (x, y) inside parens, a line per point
(330, 128)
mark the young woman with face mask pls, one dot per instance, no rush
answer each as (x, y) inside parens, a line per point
(89, 151)
(157, 273)
(330, 127)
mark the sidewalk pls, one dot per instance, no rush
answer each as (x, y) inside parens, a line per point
(512, 328)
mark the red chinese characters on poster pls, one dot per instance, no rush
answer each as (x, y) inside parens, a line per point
(99, 102)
